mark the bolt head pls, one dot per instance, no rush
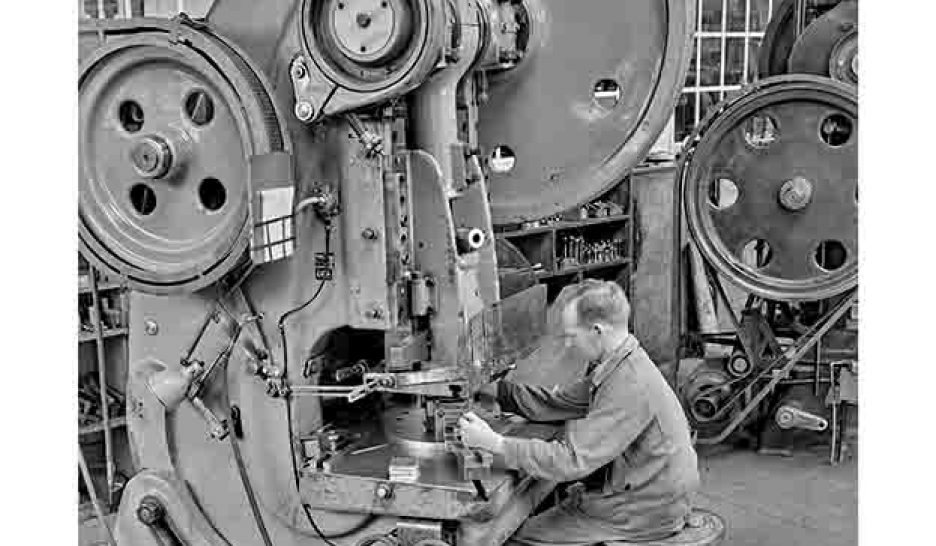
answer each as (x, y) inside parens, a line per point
(151, 157)
(369, 233)
(298, 70)
(363, 19)
(384, 491)
(150, 511)
(795, 194)
(151, 327)
(304, 110)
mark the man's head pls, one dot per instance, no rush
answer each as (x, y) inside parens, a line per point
(592, 317)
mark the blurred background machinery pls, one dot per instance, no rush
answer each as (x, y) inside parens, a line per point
(770, 195)
(301, 196)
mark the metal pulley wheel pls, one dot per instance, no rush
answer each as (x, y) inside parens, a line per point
(597, 84)
(370, 45)
(704, 394)
(770, 188)
(168, 120)
(829, 45)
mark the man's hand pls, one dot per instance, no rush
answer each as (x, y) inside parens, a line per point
(476, 433)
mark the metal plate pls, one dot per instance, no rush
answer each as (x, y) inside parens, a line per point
(737, 188)
(165, 135)
(568, 146)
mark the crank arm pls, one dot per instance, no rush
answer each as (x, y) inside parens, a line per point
(788, 417)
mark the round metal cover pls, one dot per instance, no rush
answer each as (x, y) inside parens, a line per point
(598, 83)
(165, 133)
(367, 45)
(823, 45)
(770, 188)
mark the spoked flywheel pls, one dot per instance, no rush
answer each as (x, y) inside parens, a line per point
(770, 187)
(169, 118)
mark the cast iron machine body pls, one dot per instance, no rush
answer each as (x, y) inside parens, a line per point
(302, 196)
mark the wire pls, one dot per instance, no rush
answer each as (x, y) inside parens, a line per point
(248, 489)
(308, 512)
(281, 325)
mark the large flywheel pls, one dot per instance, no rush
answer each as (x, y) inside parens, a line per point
(596, 85)
(770, 187)
(169, 118)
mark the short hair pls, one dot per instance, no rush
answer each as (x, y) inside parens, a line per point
(595, 301)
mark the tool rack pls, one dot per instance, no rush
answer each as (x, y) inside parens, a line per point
(571, 248)
(102, 372)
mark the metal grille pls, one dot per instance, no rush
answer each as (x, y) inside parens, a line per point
(122, 9)
(726, 45)
(273, 239)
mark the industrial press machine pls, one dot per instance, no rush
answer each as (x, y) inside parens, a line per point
(302, 194)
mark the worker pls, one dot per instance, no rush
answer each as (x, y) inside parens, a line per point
(626, 436)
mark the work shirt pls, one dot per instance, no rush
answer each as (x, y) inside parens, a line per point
(624, 421)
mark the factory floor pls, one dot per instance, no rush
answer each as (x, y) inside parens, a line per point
(765, 500)
(781, 501)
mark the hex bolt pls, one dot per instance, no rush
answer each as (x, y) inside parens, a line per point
(150, 511)
(304, 110)
(298, 70)
(151, 327)
(795, 193)
(363, 19)
(384, 491)
(369, 233)
(151, 157)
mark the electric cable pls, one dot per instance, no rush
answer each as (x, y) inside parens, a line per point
(281, 326)
(245, 480)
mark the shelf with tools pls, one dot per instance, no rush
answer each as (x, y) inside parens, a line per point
(103, 315)
(571, 270)
(564, 225)
(107, 333)
(594, 240)
(113, 423)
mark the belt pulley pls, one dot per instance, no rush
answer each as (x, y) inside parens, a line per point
(812, 37)
(170, 115)
(770, 188)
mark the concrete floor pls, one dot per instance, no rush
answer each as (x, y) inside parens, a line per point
(782, 501)
(765, 500)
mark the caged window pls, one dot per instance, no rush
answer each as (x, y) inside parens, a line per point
(724, 57)
(122, 9)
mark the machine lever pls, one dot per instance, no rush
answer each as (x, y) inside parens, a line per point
(792, 417)
(217, 428)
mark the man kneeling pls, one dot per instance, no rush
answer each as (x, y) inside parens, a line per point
(625, 433)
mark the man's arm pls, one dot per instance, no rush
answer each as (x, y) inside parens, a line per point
(620, 414)
(538, 403)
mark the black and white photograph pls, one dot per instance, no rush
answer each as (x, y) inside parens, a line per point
(468, 273)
